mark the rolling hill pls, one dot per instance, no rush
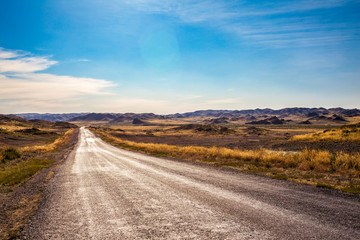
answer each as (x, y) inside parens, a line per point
(250, 116)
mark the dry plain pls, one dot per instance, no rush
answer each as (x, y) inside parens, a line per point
(320, 159)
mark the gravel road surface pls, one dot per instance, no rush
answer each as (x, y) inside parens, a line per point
(102, 192)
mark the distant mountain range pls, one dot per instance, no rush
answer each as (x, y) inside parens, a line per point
(268, 111)
(252, 116)
(37, 123)
(61, 117)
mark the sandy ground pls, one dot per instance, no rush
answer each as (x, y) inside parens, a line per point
(102, 192)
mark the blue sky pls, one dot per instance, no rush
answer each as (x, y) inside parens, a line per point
(176, 56)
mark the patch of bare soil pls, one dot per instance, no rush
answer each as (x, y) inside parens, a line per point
(19, 139)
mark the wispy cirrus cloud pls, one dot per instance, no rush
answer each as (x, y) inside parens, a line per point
(187, 11)
(83, 60)
(23, 85)
(209, 10)
(293, 39)
(282, 7)
(255, 21)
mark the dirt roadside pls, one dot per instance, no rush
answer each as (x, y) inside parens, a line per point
(19, 202)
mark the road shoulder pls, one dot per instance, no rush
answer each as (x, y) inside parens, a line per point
(20, 202)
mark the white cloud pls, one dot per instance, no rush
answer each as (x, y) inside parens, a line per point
(21, 62)
(25, 64)
(22, 86)
(5, 54)
(36, 86)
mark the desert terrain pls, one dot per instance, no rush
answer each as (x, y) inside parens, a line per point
(315, 147)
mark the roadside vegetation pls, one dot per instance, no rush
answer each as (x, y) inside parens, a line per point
(8, 154)
(321, 168)
(27, 148)
(22, 171)
(12, 174)
(52, 146)
(343, 133)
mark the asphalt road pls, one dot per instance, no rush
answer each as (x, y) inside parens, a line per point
(102, 192)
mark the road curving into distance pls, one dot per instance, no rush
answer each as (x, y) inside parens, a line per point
(102, 192)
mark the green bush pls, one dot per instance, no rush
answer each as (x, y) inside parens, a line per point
(10, 153)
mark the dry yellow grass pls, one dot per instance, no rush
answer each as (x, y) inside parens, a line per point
(344, 133)
(50, 175)
(52, 146)
(10, 127)
(307, 160)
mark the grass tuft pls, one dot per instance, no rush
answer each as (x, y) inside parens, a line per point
(324, 185)
(9, 153)
(280, 176)
(22, 171)
(351, 189)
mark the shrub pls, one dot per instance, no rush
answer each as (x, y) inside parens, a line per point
(9, 153)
